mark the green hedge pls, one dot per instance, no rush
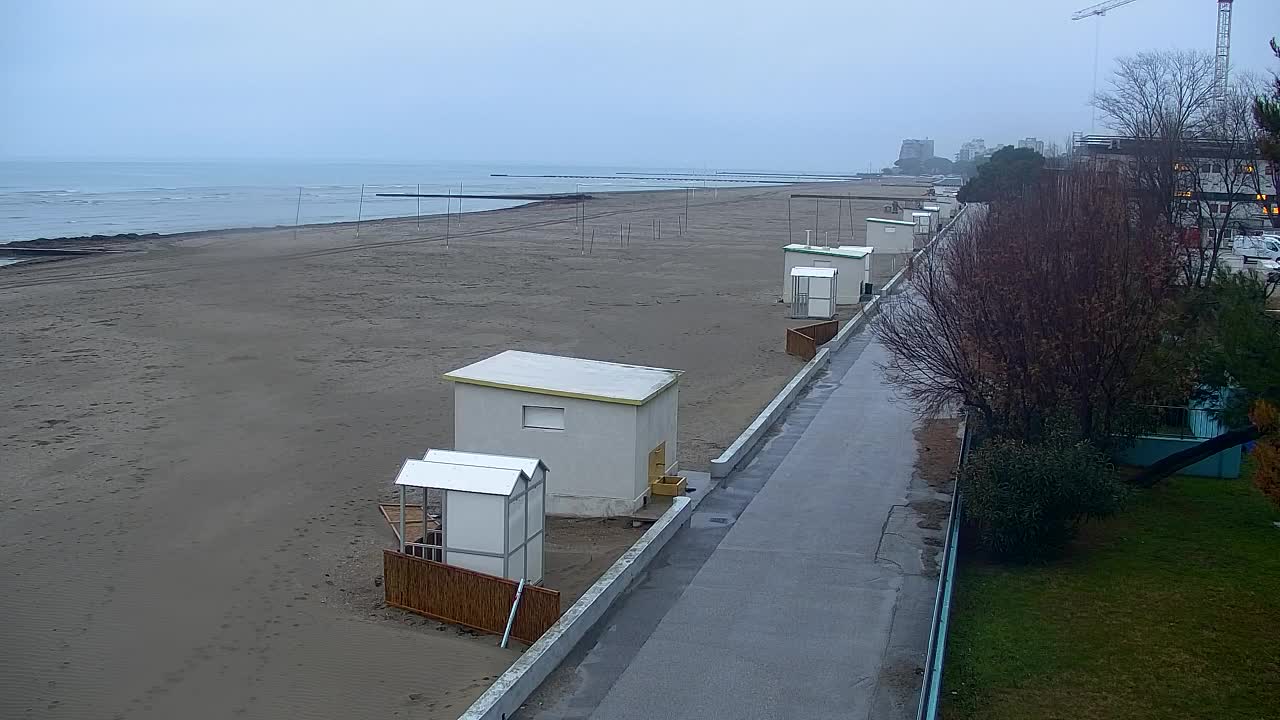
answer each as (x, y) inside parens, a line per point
(1027, 501)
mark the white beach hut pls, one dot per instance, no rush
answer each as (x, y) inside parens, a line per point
(891, 237)
(492, 512)
(852, 262)
(608, 429)
(813, 292)
(922, 220)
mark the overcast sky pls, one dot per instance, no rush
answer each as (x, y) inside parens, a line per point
(689, 83)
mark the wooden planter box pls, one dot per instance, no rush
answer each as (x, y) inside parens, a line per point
(668, 485)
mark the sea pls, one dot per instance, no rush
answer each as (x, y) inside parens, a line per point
(52, 199)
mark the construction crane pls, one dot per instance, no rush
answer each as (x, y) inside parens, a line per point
(1222, 53)
(1099, 9)
(1222, 56)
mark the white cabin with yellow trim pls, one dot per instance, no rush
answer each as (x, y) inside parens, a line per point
(608, 429)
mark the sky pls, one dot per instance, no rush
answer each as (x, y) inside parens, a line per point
(830, 85)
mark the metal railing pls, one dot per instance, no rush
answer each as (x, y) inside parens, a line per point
(931, 685)
(1183, 422)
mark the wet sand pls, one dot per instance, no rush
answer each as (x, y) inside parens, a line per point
(195, 437)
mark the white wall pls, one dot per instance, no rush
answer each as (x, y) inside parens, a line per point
(888, 239)
(475, 522)
(590, 466)
(851, 273)
(656, 423)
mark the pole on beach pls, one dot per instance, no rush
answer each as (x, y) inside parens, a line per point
(839, 221)
(851, 218)
(360, 210)
(448, 216)
(653, 228)
(628, 234)
(593, 242)
(619, 234)
(685, 227)
(419, 199)
(790, 240)
(297, 215)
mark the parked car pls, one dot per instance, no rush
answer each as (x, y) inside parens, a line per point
(1266, 247)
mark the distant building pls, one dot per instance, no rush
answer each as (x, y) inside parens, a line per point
(916, 150)
(1199, 179)
(972, 150)
(1032, 144)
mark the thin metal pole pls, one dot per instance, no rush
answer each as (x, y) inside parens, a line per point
(418, 192)
(686, 211)
(839, 221)
(403, 540)
(593, 241)
(360, 210)
(448, 216)
(619, 234)
(1097, 39)
(297, 215)
(511, 619)
(790, 239)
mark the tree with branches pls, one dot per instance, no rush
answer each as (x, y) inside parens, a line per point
(1052, 302)
(1266, 112)
(1223, 171)
(1158, 100)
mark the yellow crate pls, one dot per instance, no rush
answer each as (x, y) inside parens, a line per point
(668, 485)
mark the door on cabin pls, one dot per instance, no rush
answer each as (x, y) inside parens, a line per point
(657, 462)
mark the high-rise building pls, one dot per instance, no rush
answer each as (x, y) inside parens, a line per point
(916, 149)
(972, 150)
(1032, 144)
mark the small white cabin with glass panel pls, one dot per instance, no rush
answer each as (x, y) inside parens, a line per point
(492, 512)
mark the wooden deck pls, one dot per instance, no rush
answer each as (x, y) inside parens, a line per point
(412, 520)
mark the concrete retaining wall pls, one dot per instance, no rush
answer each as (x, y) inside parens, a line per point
(514, 687)
(741, 448)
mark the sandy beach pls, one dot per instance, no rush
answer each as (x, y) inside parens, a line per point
(195, 437)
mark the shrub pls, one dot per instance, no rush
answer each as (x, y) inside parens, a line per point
(1027, 501)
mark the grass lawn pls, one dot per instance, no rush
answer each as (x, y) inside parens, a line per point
(1170, 610)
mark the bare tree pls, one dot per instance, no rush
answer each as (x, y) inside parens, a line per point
(1223, 172)
(1055, 301)
(1159, 99)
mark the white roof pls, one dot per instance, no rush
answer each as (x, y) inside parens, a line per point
(891, 222)
(848, 251)
(813, 272)
(567, 377)
(932, 208)
(528, 466)
(919, 214)
(463, 478)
